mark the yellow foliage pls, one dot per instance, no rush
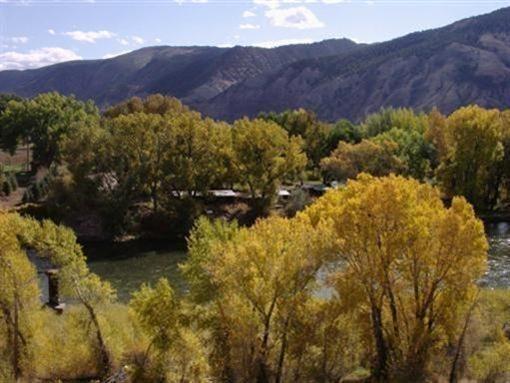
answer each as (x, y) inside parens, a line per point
(410, 262)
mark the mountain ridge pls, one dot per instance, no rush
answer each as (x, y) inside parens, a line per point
(446, 59)
(461, 63)
(192, 73)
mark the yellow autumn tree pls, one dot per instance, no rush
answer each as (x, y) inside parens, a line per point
(259, 289)
(174, 352)
(21, 316)
(409, 267)
(18, 302)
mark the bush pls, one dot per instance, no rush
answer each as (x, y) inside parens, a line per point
(298, 200)
(6, 188)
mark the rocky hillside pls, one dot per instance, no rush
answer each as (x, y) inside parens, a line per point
(194, 74)
(466, 62)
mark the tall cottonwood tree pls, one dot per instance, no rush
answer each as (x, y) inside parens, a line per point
(43, 122)
(262, 280)
(410, 266)
(18, 301)
(264, 156)
(20, 311)
(475, 151)
(348, 160)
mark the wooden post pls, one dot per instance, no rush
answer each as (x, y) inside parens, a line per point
(53, 291)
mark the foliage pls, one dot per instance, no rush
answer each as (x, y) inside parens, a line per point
(489, 345)
(18, 301)
(153, 104)
(374, 157)
(264, 156)
(387, 119)
(298, 200)
(319, 137)
(475, 150)
(413, 151)
(178, 354)
(264, 278)
(19, 293)
(44, 122)
(410, 266)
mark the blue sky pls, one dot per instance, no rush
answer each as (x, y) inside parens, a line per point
(41, 32)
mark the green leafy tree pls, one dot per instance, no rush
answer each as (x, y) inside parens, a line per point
(264, 156)
(386, 119)
(413, 150)
(474, 138)
(378, 158)
(43, 122)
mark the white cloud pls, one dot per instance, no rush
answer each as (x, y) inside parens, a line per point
(19, 39)
(157, 40)
(36, 58)
(110, 55)
(52, 32)
(249, 26)
(123, 41)
(225, 45)
(297, 17)
(277, 43)
(247, 14)
(137, 39)
(90, 36)
(333, 1)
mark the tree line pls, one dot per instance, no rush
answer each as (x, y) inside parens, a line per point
(154, 150)
(159, 151)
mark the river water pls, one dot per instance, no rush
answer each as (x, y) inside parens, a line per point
(129, 265)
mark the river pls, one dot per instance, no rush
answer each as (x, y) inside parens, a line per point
(128, 265)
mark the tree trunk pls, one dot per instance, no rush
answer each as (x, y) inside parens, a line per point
(381, 367)
(283, 350)
(103, 351)
(16, 352)
(458, 351)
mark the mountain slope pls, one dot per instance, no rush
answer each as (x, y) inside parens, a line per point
(194, 74)
(466, 62)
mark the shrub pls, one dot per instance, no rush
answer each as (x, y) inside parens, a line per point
(299, 199)
(6, 188)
